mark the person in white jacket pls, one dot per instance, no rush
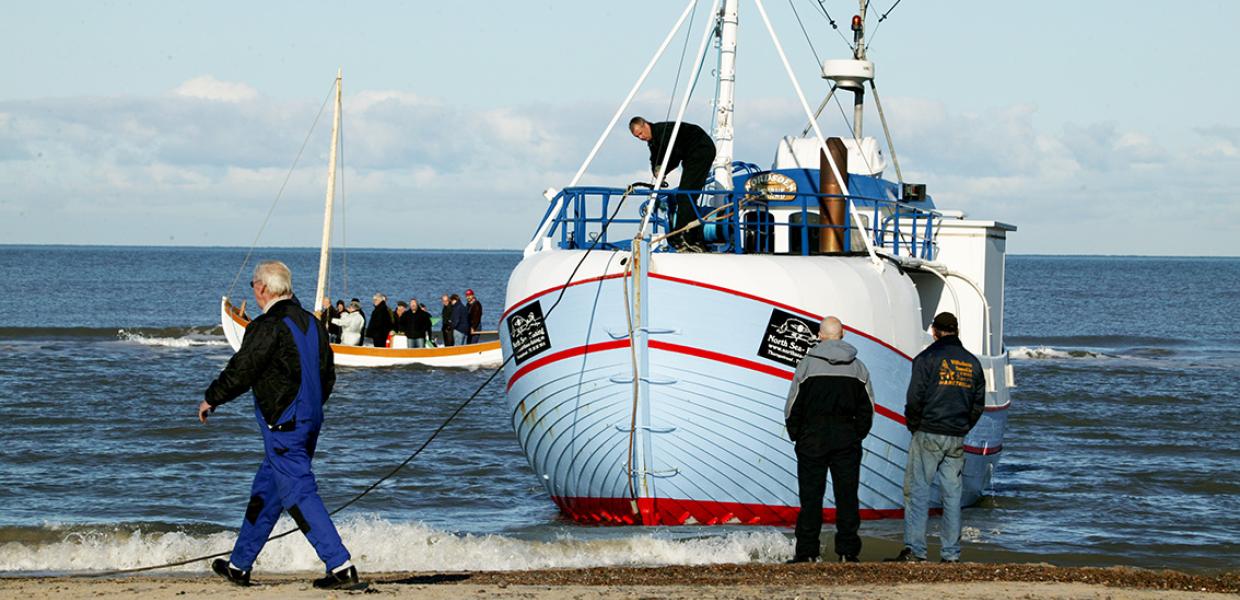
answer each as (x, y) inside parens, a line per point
(351, 323)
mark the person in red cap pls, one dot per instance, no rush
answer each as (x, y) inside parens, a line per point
(475, 316)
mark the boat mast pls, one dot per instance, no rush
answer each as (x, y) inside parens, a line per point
(858, 27)
(327, 211)
(724, 132)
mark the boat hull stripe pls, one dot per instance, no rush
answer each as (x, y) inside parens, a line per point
(563, 354)
(678, 511)
(786, 307)
(984, 451)
(531, 297)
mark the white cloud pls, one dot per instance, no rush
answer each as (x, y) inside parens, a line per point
(206, 87)
(136, 170)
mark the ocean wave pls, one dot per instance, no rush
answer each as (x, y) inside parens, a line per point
(190, 337)
(380, 545)
(1046, 352)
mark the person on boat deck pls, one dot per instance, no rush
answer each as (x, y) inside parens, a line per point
(380, 322)
(946, 398)
(693, 151)
(360, 312)
(475, 316)
(351, 324)
(404, 323)
(330, 314)
(286, 361)
(420, 327)
(829, 412)
(445, 321)
(460, 321)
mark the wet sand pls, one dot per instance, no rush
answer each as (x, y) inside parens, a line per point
(866, 580)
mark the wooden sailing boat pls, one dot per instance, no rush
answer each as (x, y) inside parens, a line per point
(234, 320)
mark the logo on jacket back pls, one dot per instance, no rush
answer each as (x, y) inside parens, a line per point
(528, 333)
(787, 338)
(955, 372)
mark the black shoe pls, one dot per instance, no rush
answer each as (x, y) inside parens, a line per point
(231, 573)
(345, 579)
(905, 555)
(802, 559)
(845, 558)
(950, 560)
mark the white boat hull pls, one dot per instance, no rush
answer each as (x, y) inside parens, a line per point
(706, 443)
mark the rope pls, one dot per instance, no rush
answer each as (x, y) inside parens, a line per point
(438, 430)
(823, 8)
(880, 22)
(279, 194)
(811, 43)
(680, 65)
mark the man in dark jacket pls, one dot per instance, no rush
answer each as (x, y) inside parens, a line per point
(287, 362)
(946, 397)
(420, 324)
(445, 321)
(460, 321)
(380, 322)
(475, 316)
(692, 150)
(829, 411)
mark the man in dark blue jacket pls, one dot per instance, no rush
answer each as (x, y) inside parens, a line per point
(287, 362)
(946, 397)
(460, 321)
(829, 412)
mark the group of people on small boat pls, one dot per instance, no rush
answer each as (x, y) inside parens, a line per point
(408, 326)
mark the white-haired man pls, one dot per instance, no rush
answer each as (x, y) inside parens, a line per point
(286, 360)
(829, 412)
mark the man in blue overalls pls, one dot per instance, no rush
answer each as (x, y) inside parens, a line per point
(285, 358)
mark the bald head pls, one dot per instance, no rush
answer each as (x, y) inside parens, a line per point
(830, 329)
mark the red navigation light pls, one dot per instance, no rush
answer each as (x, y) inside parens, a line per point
(856, 24)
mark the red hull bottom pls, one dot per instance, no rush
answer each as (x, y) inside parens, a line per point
(672, 511)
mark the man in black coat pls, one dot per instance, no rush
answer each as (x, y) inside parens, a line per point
(445, 320)
(286, 360)
(946, 398)
(692, 150)
(829, 412)
(381, 322)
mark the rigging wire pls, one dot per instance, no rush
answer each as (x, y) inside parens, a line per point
(880, 22)
(280, 193)
(823, 9)
(425, 443)
(344, 240)
(807, 38)
(671, 101)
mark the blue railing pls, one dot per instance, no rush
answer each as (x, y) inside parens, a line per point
(743, 223)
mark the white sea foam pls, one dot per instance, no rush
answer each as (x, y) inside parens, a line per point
(171, 342)
(1046, 352)
(379, 545)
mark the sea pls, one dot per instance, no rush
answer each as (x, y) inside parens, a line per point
(1121, 450)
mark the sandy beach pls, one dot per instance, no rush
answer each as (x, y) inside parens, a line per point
(867, 580)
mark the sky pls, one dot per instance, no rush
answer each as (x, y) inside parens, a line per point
(1099, 127)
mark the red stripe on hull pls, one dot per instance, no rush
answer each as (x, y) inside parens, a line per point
(787, 307)
(563, 354)
(673, 511)
(756, 366)
(984, 451)
(556, 289)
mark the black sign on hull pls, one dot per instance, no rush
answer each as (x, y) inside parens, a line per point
(528, 333)
(787, 338)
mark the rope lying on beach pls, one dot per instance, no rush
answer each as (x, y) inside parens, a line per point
(628, 191)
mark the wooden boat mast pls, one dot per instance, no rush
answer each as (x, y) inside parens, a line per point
(327, 210)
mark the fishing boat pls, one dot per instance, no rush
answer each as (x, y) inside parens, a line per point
(647, 384)
(233, 318)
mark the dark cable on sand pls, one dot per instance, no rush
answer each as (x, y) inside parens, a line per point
(431, 438)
